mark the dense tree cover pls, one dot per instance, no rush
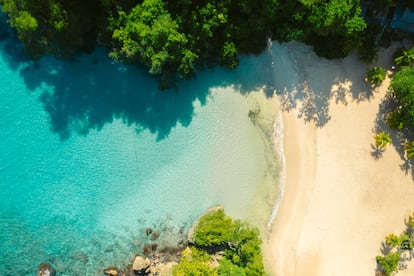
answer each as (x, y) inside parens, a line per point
(240, 242)
(402, 90)
(172, 38)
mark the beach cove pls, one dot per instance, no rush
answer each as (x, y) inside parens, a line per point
(92, 153)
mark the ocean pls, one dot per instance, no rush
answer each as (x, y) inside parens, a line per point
(92, 153)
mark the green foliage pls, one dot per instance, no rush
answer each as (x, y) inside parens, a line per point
(392, 240)
(394, 120)
(334, 27)
(58, 17)
(402, 89)
(389, 263)
(173, 38)
(21, 19)
(228, 268)
(406, 58)
(405, 241)
(214, 229)
(148, 34)
(195, 263)
(409, 149)
(229, 55)
(382, 139)
(375, 75)
(243, 241)
(411, 221)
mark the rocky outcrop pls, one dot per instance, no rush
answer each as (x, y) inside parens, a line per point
(191, 232)
(111, 271)
(46, 269)
(141, 265)
(164, 269)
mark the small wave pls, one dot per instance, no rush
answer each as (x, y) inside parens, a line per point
(278, 143)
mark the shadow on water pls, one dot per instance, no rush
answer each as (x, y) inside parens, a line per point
(88, 92)
(92, 90)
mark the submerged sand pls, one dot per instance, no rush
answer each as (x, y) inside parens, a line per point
(339, 200)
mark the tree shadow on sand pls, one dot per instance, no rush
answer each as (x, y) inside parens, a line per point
(310, 84)
(376, 152)
(398, 137)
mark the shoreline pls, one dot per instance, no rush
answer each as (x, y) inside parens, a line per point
(339, 201)
(297, 155)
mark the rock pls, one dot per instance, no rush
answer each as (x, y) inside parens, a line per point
(46, 269)
(190, 234)
(140, 264)
(112, 271)
(165, 269)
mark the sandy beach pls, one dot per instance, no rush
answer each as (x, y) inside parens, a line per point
(339, 201)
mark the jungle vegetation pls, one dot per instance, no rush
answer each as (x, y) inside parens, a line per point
(174, 38)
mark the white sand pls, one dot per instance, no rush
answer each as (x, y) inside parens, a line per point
(339, 202)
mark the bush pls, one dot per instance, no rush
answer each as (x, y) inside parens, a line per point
(394, 120)
(241, 240)
(375, 75)
(382, 139)
(227, 267)
(214, 229)
(195, 262)
(402, 89)
(389, 263)
(406, 58)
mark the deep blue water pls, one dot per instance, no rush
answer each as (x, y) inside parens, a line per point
(92, 153)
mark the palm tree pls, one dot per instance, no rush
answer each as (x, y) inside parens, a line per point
(409, 149)
(382, 139)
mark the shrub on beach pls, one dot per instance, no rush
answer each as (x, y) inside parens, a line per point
(389, 263)
(375, 75)
(382, 139)
(395, 246)
(409, 149)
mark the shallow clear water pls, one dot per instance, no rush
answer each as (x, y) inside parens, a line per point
(91, 153)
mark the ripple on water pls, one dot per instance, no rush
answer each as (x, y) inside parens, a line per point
(91, 154)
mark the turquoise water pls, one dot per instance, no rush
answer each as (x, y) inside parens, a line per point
(91, 153)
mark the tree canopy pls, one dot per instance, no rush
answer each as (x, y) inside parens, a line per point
(402, 89)
(173, 38)
(240, 242)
